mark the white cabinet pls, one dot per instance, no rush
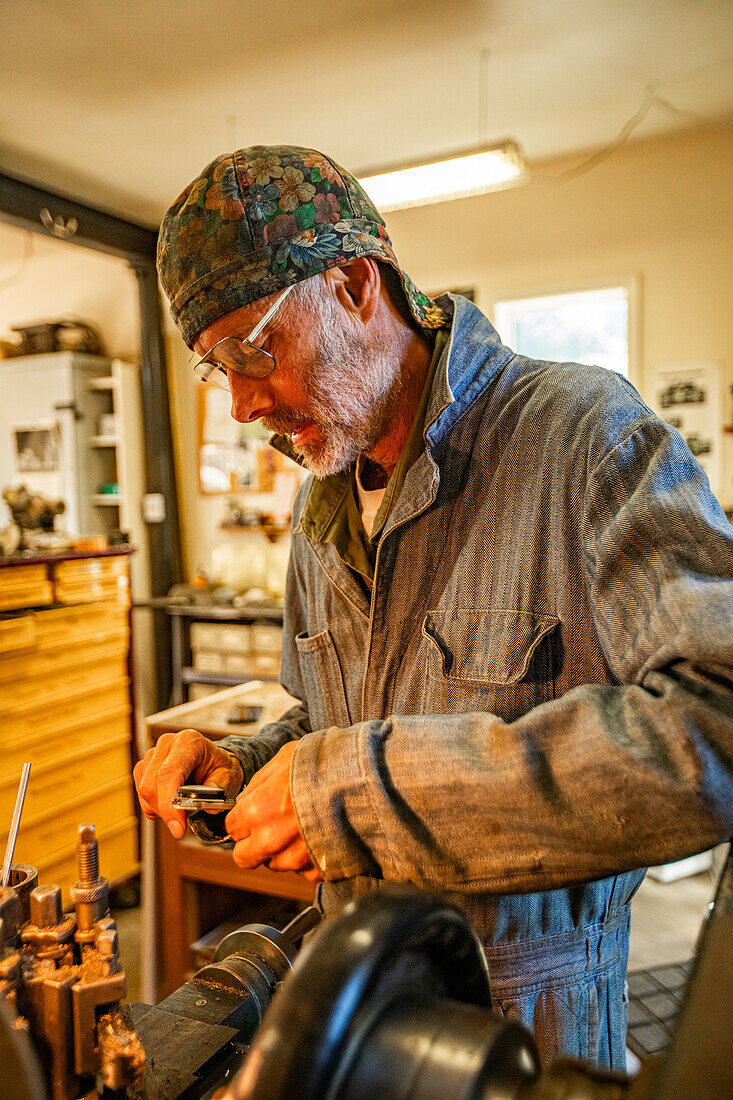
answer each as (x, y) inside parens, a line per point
(83, 416)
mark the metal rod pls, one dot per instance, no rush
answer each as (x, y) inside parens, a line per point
(15, 825)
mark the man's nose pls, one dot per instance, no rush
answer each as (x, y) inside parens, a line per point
(251, 398)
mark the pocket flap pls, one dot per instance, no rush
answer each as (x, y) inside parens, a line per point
(493, 647)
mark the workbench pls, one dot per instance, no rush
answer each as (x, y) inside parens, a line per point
(190, 887)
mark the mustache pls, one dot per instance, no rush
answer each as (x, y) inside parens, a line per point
(284, 423)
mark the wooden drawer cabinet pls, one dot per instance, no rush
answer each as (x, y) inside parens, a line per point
(65, 706)
(44, 837)
(74, 740)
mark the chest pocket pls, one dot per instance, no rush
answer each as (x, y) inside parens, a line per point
(492, 660)
(323, 680)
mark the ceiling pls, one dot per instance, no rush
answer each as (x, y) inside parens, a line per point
(122, 103)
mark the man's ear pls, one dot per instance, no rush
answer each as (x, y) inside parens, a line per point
(357, 286)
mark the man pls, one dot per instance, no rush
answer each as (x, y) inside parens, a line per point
(509, 613)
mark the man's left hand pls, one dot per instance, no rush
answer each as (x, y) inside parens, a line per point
(264, 825)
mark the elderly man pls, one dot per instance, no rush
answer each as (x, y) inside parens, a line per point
(509, 614)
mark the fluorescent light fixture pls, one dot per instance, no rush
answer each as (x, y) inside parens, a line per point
(454, 177)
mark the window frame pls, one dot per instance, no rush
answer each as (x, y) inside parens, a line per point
(630, 283)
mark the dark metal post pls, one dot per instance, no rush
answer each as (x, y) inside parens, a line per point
(163, 538)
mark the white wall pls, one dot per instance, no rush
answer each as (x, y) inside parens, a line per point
(57, 279)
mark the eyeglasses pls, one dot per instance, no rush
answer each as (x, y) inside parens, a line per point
(239, 354)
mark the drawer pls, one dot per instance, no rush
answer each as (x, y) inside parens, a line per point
(22, 704)
(267, 639)
(90, 591)
(36, 722)
(27, 596)
(17, 633)
(18, 575)
(42, 746)
(42, 838)
(91, 568)
(118, 857)
(220, 636)
(25, 695)
(239, 664)
(65, 776)
(43, 663)
(267, 665)
(237, 638)
(208, 660)
(74, 624)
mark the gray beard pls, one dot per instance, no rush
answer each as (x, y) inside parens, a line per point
(354, 393)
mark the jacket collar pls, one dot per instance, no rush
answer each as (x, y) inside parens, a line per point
(472, 357)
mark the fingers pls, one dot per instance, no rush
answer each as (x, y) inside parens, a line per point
(162, 771)
(313, 875)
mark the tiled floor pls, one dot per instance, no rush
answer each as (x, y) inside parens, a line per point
(666, 918)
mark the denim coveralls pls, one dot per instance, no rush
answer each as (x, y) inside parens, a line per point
(535, 699)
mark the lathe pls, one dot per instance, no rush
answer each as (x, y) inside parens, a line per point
(389, 1000)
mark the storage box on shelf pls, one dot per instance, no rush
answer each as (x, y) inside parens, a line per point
(65, 707)
(223, 646)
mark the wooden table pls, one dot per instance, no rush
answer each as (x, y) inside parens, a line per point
(189, 887)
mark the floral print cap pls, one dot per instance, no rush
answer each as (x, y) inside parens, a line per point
(260, 219)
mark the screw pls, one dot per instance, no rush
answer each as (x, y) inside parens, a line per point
(87, 851)
(46, 906)
(90, 892)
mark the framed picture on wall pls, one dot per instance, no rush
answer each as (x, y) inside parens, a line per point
(234, 457)
(229, 453)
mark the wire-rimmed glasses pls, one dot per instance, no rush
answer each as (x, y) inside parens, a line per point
(239, 354)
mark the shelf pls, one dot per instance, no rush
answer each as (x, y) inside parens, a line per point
(226, 613)
(104, 441)
(196, 676)
(106, 383)
(107, 499)
(273, 530)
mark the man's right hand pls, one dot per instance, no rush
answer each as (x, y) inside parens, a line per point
(179, 758)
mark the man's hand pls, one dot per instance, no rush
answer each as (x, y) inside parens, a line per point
(264, 824)
(176, 758)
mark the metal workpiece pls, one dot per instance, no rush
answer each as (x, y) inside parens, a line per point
(46, 906)
(23, 879)
(49, 932)
(62, 974)
(90, 892)
(10, 915)
(192, 797)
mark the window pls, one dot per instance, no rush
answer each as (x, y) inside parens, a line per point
(587, 326)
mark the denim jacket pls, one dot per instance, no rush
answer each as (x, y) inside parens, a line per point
(537, 700)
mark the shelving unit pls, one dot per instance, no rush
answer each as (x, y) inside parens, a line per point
(115, 459)
(184, 672)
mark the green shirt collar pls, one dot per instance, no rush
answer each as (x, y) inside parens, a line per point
(331, 512)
